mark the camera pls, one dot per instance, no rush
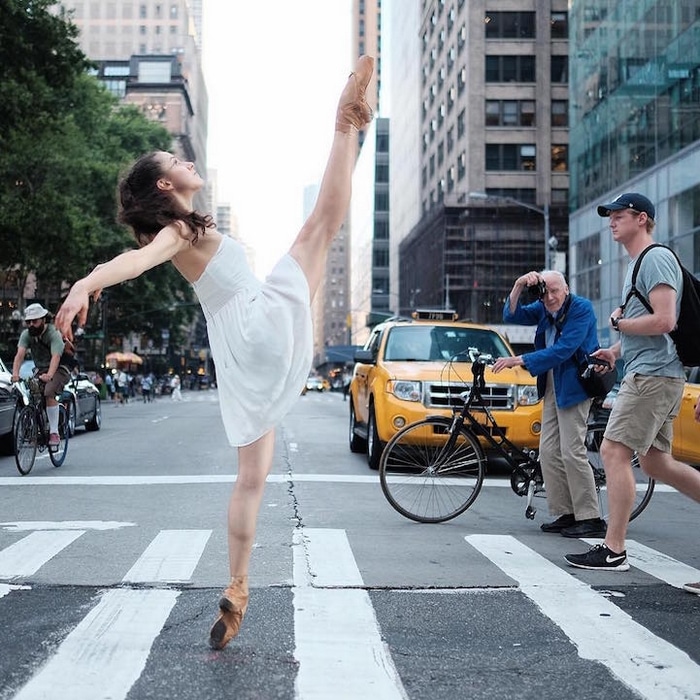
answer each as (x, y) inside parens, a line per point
(537, 291)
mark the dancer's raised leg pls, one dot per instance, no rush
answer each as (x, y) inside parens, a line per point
(311, 245)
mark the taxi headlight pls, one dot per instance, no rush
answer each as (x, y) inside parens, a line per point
(527, 395)
(405, 390)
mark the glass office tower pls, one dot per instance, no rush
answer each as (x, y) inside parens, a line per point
(634, 126)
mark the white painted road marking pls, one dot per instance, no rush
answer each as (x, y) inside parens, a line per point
(659, 565)
(339, 647)
(28, 555)
(600, 630)
(175, 479)
(106, 653)
(170, 558)
(20, 525)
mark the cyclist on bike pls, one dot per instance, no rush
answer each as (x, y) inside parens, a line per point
(52, 363)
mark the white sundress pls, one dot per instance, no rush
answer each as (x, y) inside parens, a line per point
(261, 339)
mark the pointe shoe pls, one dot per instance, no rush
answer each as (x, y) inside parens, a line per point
(353, 110)
(233, 605)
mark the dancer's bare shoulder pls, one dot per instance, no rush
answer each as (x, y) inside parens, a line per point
(193, 258)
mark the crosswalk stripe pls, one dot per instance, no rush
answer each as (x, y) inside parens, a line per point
(26, 556)
(600, 630)
(659, 565)
(106, 653)
(338, 644)
(170, 558)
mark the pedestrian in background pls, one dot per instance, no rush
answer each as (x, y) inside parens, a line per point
(260, 333)
(650, 394)
(175, 394)
(566, 330)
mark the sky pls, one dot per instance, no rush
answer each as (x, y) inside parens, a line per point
(274, 70)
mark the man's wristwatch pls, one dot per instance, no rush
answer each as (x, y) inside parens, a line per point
(615, 323)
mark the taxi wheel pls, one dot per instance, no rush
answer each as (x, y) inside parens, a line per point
(357, 444)
(374, 445)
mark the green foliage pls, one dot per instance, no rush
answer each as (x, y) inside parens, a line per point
(63, 143)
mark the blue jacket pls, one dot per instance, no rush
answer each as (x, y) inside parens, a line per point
(578, 330)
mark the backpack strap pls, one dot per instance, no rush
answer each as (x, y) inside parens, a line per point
(634, 292)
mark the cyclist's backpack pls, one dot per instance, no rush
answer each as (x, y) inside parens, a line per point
(686, 336)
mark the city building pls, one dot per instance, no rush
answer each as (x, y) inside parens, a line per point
(635, 127)
(371, 300)
(332, 306)
(480, 138)
(148, 53)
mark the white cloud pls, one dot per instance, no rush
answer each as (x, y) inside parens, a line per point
(274, 71)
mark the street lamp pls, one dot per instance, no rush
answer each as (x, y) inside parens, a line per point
(548, 240)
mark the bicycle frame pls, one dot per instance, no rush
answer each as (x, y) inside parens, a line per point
(527, 473)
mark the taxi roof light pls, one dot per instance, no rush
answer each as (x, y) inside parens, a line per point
(435, 315)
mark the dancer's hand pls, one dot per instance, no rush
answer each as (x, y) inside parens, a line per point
(353, 111)
(77, 304)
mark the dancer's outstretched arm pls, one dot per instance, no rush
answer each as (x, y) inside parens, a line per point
(311, 245)
(123, 267)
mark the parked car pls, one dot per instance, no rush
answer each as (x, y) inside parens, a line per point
(82, 400)
(405, 372)
(8, 405)
(686, 430)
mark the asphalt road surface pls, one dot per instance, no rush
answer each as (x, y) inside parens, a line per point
(111, 567)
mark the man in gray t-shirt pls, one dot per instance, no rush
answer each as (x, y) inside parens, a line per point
(649, 399)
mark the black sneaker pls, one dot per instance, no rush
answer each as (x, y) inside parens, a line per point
(599, 557)
(559, 524)
(594, 527)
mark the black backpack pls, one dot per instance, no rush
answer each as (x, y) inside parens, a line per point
(686, 336)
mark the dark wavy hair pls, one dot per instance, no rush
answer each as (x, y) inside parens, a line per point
(146, 209)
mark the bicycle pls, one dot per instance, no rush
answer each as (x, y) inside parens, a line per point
(432, 470)
(32, 427)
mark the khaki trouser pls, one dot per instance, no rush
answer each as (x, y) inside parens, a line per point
(567, 475)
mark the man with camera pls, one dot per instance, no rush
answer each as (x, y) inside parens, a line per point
(566, 329)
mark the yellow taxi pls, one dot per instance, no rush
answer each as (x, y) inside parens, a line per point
(686, 430)
(413, 367)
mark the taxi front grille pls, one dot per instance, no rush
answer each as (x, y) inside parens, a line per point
(498, 397)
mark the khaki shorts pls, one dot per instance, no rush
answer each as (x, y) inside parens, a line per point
(643, 412)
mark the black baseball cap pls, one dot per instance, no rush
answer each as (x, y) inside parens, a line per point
(630, 200)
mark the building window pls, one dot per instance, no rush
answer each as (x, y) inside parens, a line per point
(143, 11)
(560, 158)
(462, 166)
(560, 25)
(510, 156)
(461, 124)
(560, 69)
(381, 173)
(381, 230)
(512, 69)
(510, 25)
(560, 113)
(173, 12)
(510, 113)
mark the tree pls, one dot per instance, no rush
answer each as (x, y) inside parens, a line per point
(63, 142)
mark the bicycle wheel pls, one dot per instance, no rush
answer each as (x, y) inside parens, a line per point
(26, 433)
(58, 456)
(427, 477)
(644, 484)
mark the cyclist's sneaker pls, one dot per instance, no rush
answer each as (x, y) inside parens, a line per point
(54, 441)
(601, 558)
(559, 524)
(692, 587)
(594, 527)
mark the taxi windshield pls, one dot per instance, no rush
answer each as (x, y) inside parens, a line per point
(425, 343)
